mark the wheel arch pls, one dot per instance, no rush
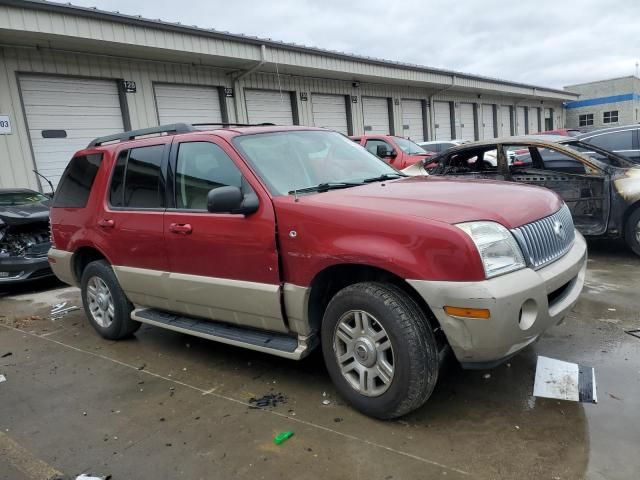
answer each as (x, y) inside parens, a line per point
(627, 213)
(82, 257)
(334, 278)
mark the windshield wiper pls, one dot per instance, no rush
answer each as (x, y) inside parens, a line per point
(324, 187)
(384, 176)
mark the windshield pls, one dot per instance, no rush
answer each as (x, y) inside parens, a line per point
(408, 147)
(21, 198)
(296, 160)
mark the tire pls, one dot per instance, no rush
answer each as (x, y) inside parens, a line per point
(632, 231)
(394, 317)
(105, 304)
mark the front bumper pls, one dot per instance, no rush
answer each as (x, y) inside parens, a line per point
(523, 304)
(23, 269)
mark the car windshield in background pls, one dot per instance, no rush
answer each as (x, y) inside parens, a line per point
(310, 160)
(408, 147)
(21, 198)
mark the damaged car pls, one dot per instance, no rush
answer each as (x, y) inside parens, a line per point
(601, 188)
(24, 235)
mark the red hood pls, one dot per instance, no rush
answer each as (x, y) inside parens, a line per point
(447, 200)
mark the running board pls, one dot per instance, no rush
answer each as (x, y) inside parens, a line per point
(261, 341)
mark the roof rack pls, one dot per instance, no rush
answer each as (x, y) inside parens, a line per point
(173, 128)
(231, 124)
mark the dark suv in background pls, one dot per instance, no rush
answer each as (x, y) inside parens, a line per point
(621, 140)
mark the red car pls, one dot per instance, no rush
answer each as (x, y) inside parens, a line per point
(396, 151)
(278, 239)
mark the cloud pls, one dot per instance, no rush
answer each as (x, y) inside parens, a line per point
(546, 42)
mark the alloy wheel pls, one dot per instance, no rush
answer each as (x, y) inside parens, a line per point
(100, 302)
(364, 353)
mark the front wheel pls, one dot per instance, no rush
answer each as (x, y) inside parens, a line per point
(632, 231)
(379, 349)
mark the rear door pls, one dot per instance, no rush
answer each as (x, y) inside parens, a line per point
(130, 228)
(222, 266)
(583, 186)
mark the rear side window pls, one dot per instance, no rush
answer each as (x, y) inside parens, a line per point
(76, 182)
(613, 141)
(136, 180)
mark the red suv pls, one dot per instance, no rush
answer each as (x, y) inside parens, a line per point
(280, 238)
(396, 151)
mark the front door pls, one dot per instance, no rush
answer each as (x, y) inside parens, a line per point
(583, 187)
(222, 266)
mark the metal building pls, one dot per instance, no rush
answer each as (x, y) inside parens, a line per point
(69, 74)
(605, 103)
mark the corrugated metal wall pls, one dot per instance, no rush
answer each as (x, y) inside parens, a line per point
(16, 161)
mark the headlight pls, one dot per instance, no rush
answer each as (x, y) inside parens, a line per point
(498, 249)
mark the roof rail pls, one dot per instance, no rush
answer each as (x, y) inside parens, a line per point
(231, 124)
(174, 128)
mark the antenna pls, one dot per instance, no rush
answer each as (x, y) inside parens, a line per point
(47, 180)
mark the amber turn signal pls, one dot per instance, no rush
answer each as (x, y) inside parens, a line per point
(478, 313)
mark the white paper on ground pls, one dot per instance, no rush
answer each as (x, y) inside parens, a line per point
(556, 379)
(3, 378)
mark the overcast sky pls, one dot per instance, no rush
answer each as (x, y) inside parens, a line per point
(547, 43)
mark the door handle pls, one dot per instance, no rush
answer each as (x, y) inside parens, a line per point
(181, 228)
(106, 223)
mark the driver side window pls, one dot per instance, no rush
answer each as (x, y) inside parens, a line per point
(560, 162)
(201, 167)
(372, 146)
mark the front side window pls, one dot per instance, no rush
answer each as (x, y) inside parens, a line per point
(586, 119)
(76, 182)
(136, 180)
(610, 117)
(201, 167)
(372, 146)
(294, 160)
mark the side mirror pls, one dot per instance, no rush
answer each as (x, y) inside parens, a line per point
(230, 199)
(383, 151)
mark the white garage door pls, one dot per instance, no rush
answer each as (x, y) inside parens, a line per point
(188, 104)
(505, 121)
(533, 119)
(442, 114)
(467, 127)
(548, 122)
(74, 111)
(268, 106)
(412, 120)
(375, 111)
(488, 127)
(521, 121)
(330, 111)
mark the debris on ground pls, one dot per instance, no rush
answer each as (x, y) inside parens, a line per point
(267, 400)
(337, 419)
(564, 381)
(326, 402)
(8, 354)
(59, 310)
(91, 476)
(282, 437)
(486, 376)
(634, 333)
(614, 397)
(2, 378)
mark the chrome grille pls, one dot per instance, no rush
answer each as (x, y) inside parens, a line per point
(546, 240)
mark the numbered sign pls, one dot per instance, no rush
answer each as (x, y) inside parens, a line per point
(5, 125)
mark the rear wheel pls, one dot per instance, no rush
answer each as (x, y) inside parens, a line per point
(379, 349)
(105, 304)
(632, 231)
